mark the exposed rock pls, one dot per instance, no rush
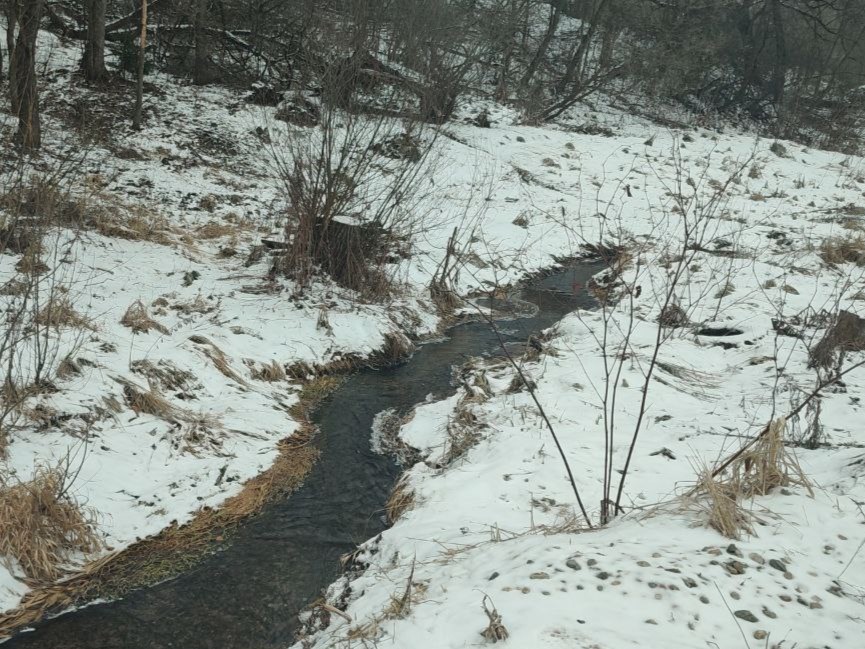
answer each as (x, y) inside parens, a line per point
(746, 615)
(777, 564)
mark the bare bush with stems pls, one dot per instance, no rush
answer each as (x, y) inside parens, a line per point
(680, 231)
(37, 313)
(350, 211)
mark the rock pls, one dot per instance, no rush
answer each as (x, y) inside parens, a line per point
(746, 615)
(704, 599)
(492, 576)
(732, 549)
(785, 598)
(591, 562)
(263, 95)
(298, 111)
(482, 119)
(520, 138)
(735, 595)
(788, 575)
(644, 564)
(690, 583)
(735, 567)
(778, 565)
(539, 575)
(573, 564)
(651, 621)
(815, 604)
(769, 613)
(603, 575)
(760, 634)
(756, 558)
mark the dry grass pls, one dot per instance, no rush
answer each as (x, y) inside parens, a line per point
(138, 319)
(723, 509)
(150, 402)
(59, 313)
(765, 466)
(838, 250)
(270, 372)
(495, 630)
(216, 230)
(42, 528)
(768, 465)
(218, 358)
(400, 501)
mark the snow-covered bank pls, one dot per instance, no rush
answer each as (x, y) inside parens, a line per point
(498, 526)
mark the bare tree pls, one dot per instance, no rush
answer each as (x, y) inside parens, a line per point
(94, 48)
(139, 86)
(23, 94)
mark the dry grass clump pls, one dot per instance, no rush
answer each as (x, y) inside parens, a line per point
(59, 313)
(218, 358)
(134, 223)
(495, 631)
(270, 372)
(41, 527)
(761, 468)
(839, 250)
(216, 230)
(149, 402)
(721, 502)
(400, 501)
(138, 319)
(768, 464)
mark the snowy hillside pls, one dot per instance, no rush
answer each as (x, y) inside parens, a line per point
(183, 366)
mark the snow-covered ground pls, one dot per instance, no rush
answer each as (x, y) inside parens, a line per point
(498, 526)
(499, 520)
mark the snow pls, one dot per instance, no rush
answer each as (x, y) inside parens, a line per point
(499, 520)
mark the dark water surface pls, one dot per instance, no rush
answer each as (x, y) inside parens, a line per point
(248, 595)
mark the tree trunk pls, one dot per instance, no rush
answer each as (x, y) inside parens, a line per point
(779, 72)
(139, 86)
(201, 63)
(11, 21)
(541, 53)
(24, 94)
(94, 47)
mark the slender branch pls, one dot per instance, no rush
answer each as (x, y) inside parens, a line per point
(540, 408)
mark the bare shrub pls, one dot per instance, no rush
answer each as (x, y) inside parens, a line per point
(42, 527)
(348, 211)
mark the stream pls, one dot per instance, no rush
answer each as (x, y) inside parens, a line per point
(247, 595)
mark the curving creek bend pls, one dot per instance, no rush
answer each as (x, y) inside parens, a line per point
(248, 594)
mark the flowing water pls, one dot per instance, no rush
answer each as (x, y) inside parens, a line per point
(248, 594)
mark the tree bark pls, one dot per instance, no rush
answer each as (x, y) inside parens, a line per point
(25, 98)
(94, 48)
(139, 86)
(779, 72)
(544, 46)
(11, 21)
(201, 63)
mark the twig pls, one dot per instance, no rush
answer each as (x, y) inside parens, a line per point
(540, 408)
